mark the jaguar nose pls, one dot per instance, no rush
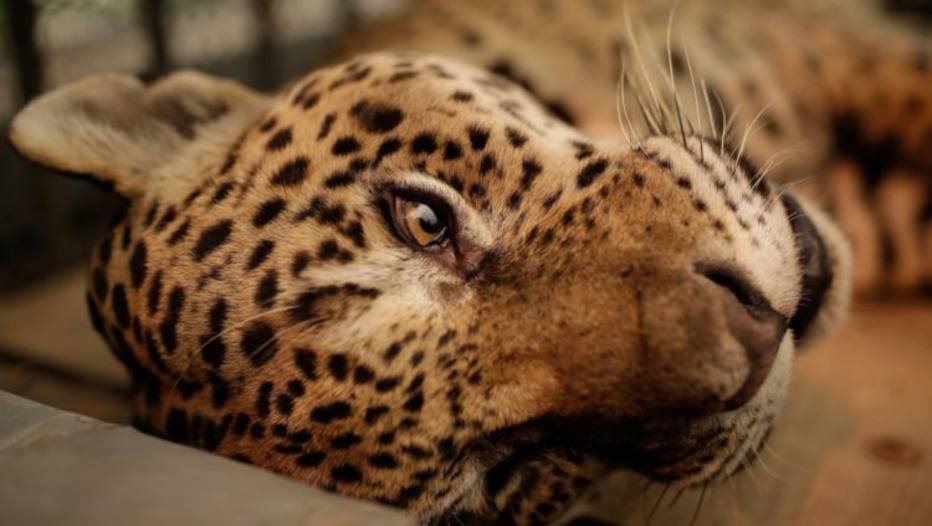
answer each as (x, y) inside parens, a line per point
(756, 326)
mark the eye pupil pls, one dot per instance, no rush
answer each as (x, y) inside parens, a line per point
(422, 223)
(428, 220)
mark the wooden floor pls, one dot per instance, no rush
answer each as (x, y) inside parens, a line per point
(879, 372)
(853, 446)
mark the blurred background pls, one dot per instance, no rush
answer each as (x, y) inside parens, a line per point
(859, 420)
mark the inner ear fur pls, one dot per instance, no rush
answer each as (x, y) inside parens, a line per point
(138, 138)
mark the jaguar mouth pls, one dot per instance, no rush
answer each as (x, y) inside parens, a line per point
(678, 449)
(683, 453)
(564, 454)
(696, 455)
(682, 449)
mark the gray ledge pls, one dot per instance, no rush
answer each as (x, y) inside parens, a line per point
(60, 468)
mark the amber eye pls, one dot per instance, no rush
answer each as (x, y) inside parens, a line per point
(421, 224)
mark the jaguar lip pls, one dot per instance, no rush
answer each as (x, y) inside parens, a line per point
(670, 452)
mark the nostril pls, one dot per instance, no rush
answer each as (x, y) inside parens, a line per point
(739, 287)
(753, 322)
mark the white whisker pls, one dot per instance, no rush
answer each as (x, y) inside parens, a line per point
(649, 119)
(729, 120)
(708, 107)
(750, 129)
(624, 106)
(672, 77)
(692, 80)
(666, 113)
(784, 188)
(639, 58)
(240, 323)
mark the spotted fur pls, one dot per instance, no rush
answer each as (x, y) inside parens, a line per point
(601, 306)
(833, 95)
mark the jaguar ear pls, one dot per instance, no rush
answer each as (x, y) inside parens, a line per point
(117, 130)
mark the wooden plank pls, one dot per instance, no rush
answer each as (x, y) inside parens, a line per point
(880, 368)
(64, 391)
(48, 323)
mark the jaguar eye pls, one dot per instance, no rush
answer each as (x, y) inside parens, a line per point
(421, 224)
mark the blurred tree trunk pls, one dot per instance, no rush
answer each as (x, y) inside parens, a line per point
(265, 60)
(153, 17)
(22, 20)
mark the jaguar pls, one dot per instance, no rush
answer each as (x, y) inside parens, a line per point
(407, 278)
